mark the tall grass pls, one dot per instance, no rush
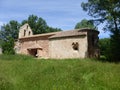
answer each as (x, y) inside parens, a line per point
(15, 57)
(26, 73)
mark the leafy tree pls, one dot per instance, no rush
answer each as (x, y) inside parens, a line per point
(115, 47)
(8, 46)
(10, 30)
(107, 11)
(0, 43)
(39, 25)
(85, 24)
(8, 34)
(51, 29)
(104, 45)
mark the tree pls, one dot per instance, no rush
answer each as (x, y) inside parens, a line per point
(51, 29)
(107, 11)
(10, 30)
(0, 43)
(8, 46)
(39, 25)
(104, 45)
(8, 34)
(85, 24)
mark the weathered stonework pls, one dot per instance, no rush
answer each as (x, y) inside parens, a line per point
(25, 31)
(65, 44)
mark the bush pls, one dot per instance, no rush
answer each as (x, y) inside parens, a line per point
(115, 46)
(8, 46)
(110, 48)
(104, 45)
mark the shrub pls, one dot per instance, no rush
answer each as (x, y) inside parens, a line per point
(8, 46)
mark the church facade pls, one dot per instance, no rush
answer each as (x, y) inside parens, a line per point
(80, 43)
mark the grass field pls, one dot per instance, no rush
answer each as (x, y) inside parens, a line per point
(26, 73)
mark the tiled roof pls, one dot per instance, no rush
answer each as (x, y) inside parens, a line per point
(39, 35)
(69, 33)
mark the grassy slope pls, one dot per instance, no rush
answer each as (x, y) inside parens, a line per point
(26, 73)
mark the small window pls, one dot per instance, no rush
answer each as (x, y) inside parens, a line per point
(29, 33)
(27, 26)
(24, 32)
(75, 46)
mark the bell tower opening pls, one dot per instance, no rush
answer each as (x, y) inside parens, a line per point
(25, 31)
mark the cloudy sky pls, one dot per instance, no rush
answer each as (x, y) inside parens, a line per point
(62, 14)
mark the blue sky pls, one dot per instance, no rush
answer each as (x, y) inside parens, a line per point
(62, 14)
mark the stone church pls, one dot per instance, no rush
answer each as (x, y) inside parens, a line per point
(80, 43)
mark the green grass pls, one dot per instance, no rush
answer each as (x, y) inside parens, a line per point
(26, 73)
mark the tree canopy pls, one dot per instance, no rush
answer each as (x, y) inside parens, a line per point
(104, 10)
(104, 45)
(39, 25)
(85, 24)
(107, 11)
(11, 29)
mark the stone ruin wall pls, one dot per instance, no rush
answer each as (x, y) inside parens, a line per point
(28, 42)
(62, 47)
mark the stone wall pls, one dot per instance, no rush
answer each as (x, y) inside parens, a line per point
(25, 31)
(63, 47)
(29, 42)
